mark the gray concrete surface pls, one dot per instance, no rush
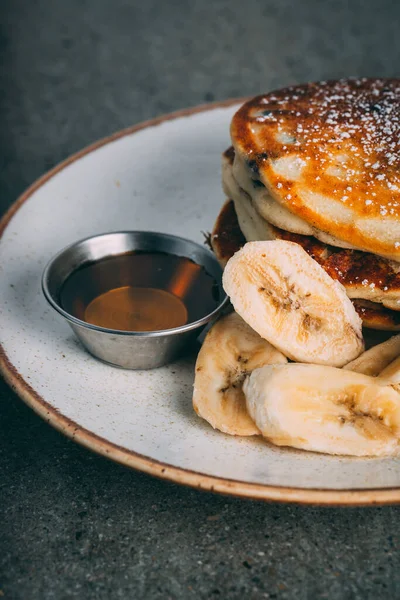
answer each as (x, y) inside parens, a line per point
(73, 525)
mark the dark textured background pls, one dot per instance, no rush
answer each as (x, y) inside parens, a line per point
(73, 525)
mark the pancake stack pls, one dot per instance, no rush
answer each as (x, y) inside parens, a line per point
(319, 165)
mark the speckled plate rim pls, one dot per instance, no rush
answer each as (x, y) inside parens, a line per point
(129, 458)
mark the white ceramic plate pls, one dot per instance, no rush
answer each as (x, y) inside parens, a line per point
(164, 176)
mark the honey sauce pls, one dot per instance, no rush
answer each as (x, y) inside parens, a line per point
(140, 291)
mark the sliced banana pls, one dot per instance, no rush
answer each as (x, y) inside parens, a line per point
(324, 409)
(284, 295)
(230, 351)
(373, 361)
(392, 372)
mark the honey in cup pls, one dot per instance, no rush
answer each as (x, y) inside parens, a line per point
(140, 291)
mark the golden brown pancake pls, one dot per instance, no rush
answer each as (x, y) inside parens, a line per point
(329, 153)
(376, 316)
(227, 238)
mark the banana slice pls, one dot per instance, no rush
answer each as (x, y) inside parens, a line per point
(392, 373)
(284, 295)
(324, 409)
(230, 351)
(377, 358)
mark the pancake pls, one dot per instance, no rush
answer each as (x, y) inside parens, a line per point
(376, 316)
(329, 153)
(234, 183)
(227, 238)
(267, 208)
(364, 275)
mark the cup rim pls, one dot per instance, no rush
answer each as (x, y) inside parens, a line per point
(121, 332)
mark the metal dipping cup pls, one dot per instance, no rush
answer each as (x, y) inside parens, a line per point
(130, 349)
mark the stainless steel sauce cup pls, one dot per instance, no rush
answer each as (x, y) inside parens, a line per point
(130, 349)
